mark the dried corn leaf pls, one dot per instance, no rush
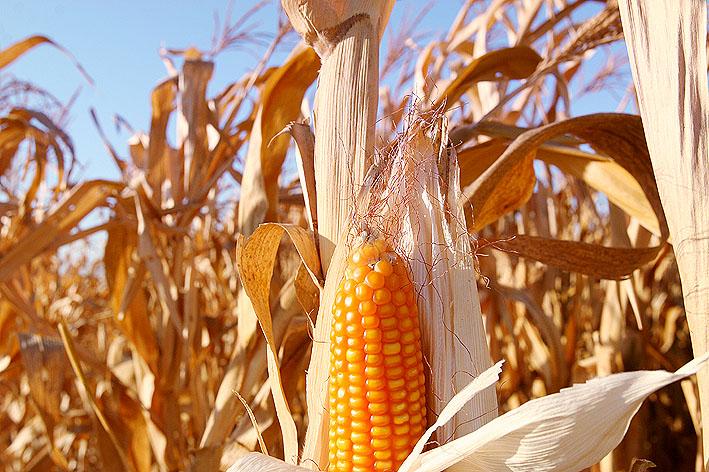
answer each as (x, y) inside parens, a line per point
(574, 256)
(305, 159)
(125, 415)
(279, 105)
(124, 276)
(164, 283)
(509, 63)
(619, 185)
(255, 259)
(13, 52)
(82, 199)
(46, 366)
(193, 117)
(162, 102)
(11, 136)
(44, 135)
(618, 136)
(117, 457)
(474, 160)
(281, 97)
(501, 191)
(308, 292)
(598, 172)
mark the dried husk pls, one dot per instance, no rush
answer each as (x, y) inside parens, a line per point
(424, 207)
(666, 42)
(570, 430)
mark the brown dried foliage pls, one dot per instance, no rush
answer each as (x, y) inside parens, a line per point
(132, 360)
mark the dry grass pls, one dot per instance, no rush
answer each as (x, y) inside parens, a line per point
(126, 352)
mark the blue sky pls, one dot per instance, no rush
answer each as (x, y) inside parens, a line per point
(118, 43)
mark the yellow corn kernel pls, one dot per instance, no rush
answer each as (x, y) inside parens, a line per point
(377, 405)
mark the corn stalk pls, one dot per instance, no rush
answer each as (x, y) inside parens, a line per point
(346, 36)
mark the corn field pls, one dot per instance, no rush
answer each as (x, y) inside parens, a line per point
(530, 286)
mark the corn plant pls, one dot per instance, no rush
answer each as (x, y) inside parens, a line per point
(455, 253)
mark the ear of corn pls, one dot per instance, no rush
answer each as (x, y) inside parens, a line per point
(377, 382)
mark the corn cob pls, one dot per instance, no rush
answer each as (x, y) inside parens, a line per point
(377, 384)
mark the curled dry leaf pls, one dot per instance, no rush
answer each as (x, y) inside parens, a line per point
(308, 292)
(617, 183)
(37, 130)
(598, 172)
(280, 103)
(504, 187)
(510, 63)
(13, 52)
(509, 181)
(305, 159)
(255, 259)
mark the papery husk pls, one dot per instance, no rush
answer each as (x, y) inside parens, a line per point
(666, 42)
(411, 198)
(425, 202)
(570, 430)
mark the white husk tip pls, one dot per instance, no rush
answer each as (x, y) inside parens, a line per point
(563, 431)
(257, 462)
(693, 366)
